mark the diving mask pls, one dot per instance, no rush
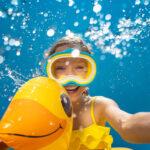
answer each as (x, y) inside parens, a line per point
(72, 79)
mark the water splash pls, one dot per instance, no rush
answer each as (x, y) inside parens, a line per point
(107, 41)
(8, 40)
(16, 80)
(128, 30)
(1, 59)
(97, 7)
(71, 3)
(139, 2)
(99, 32)
(50, 32)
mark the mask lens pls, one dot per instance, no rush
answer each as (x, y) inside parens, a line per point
(65, 67)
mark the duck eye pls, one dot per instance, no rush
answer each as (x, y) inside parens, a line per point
(66, 104)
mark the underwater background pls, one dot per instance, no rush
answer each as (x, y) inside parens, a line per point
(118, 30)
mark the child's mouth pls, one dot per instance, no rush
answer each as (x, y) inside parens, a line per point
(71, 89)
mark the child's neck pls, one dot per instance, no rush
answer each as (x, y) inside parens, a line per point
(79, 104)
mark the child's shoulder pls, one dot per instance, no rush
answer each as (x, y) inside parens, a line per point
(101, 99)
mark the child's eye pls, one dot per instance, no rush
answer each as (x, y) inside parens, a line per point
(79, 67)
(60, 68)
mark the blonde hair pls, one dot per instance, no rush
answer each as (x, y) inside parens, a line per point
(71, 42)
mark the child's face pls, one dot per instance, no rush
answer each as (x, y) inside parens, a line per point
(71, 66)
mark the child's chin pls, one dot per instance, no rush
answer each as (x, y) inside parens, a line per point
(74, 96)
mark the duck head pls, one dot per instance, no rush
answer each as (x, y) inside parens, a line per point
(38, 117)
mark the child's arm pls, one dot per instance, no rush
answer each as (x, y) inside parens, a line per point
(133, 128)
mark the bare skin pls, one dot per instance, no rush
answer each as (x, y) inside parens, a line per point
(134, 128)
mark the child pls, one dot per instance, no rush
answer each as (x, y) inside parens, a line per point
(71, 63)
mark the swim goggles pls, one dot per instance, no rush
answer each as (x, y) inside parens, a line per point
(72, 79)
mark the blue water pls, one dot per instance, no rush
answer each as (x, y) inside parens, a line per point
(119, 33)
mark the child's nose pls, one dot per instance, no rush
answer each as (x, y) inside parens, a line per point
(70, 70)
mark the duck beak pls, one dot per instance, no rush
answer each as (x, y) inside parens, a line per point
(27, 122)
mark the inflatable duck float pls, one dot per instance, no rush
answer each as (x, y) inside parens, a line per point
(38, 117)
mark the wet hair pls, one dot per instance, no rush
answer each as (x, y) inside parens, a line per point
(70, 42)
